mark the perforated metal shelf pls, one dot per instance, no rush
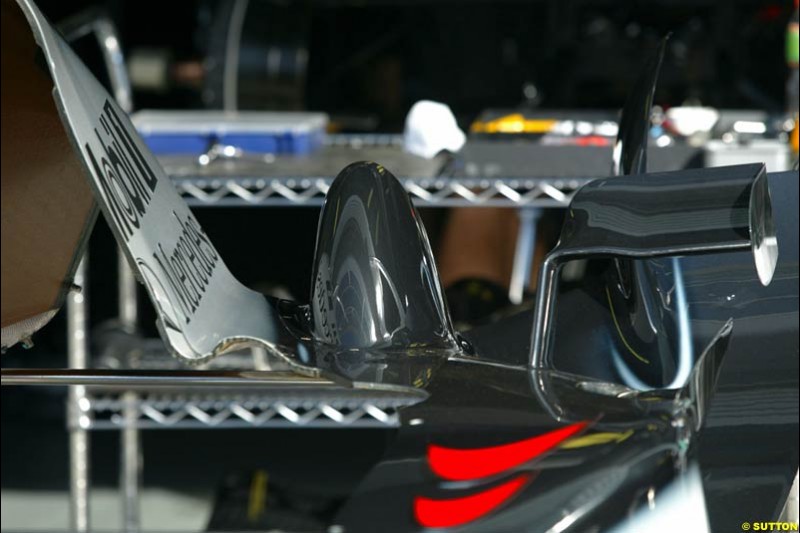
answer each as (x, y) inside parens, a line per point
(284, 181)
(181, 411)
(441, 192)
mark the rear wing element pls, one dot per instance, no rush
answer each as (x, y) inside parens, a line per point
(661, 214)
(202, 309)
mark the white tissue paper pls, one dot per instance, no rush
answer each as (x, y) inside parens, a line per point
(431, 128)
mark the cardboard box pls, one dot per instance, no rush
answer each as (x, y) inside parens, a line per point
(47, 209)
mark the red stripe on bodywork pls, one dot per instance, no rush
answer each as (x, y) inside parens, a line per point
(460, 465)
(459, 511)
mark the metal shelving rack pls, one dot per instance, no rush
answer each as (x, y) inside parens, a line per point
(181, 411)
(426, 192)
(200, 189)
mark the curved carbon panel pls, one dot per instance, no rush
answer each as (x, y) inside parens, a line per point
(375, 284)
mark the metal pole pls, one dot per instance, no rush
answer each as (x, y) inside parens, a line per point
(78, 418)
(149, 379)
(523, 254)
(130, 454)
(108, 40)
(130, 463)
(130, 449)
(127, 295)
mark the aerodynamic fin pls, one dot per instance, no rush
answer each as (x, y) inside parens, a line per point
(702, 382)
(374, 281)
(630, 149)
(632, 284)
(202, 309)
(670, 214)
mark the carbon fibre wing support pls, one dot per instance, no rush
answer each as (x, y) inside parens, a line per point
(202, 309)
(676, 213)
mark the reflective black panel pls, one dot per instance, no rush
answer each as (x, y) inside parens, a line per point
(374, 283)
(630, 150)
(668, 213)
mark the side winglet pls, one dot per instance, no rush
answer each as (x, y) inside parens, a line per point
(684, 212)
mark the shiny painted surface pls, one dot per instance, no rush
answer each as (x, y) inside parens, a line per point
(639, 445)
(374, 281)
(590, 453)
(669, 214)
(630, 149)
(655, 351)
(646, 301)
(747, 447)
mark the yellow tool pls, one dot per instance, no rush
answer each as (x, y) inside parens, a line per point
(513, 123)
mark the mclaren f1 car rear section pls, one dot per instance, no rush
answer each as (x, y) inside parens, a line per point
(496, 437)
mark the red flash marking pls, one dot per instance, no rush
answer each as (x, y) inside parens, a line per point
(460, 465)
(459, 511)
